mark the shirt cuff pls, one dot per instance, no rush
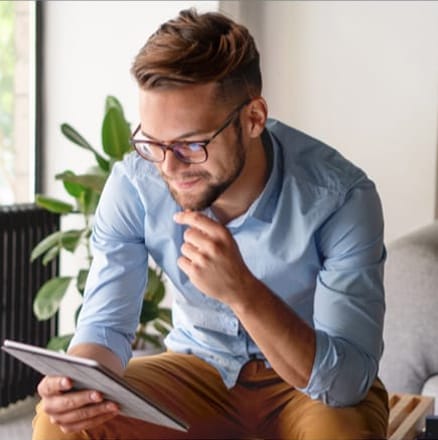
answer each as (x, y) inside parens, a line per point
(118, 343)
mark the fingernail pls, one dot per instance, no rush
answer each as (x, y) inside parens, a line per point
(65, 385)
(95, 396)
(111, 406)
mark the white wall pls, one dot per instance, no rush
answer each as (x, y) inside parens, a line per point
(363, 77)
(89, 47)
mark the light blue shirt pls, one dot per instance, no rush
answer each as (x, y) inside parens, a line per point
(314, 236)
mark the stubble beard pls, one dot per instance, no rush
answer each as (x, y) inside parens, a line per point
(213, 190)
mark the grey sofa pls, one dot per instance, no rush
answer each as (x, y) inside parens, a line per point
(410, 359)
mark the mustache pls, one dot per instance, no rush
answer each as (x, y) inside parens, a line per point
(186, 175)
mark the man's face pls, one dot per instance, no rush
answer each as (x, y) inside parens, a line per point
(190, 114)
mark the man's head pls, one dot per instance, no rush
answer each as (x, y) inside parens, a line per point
(198, 49)
(200, 80)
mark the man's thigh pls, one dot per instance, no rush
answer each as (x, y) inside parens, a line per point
(305, 419)
(189, 387)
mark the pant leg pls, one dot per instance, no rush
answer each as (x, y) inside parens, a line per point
(188, 386)
(300, 418)
(43, 429)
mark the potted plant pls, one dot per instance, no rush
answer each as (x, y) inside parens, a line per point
(85, 189)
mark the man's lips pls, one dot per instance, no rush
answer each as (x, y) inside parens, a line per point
(185, 184)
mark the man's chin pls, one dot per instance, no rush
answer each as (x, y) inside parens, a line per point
(189, 203)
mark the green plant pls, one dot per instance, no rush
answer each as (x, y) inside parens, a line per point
(85, 189)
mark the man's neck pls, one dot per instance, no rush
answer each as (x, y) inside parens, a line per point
(241, 194)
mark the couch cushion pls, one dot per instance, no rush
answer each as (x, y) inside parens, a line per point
(410, 356)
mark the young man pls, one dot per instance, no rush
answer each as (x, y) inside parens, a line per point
(273, 240)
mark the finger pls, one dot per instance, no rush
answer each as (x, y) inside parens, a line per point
(85, 413)
(189, 251)
(199, 221)
(200, 258)
(52, 385)
(197, 238)
(186, 266)
(70, 401)
(87, 424)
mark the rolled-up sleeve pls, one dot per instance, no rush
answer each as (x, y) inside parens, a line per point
(349, 303)
(118, 275)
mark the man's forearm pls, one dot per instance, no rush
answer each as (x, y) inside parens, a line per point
(288, 342)
(99, 353)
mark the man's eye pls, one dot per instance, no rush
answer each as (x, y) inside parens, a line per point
(194, 146)
(189, 146)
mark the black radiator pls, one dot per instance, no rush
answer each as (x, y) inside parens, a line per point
(21, 228)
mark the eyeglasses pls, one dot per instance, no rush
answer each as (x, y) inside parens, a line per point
(185, 151)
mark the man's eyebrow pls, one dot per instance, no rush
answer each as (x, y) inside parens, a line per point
(182, 136)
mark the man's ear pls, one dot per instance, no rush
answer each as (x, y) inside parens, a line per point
(256, 114)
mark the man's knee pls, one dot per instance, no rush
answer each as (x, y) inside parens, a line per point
(306, 419)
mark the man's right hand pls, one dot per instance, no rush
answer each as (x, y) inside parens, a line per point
(73, 410)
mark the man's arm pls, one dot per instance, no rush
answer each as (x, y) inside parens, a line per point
(99, 353)
(212, 261)
(284, 338)
(337, 361)
(111, 306)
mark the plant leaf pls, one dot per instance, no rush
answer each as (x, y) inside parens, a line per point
(49, 296)
(70, 239)
(88, 201)
(81, 279)
(44, 245)
(149, 311)
(70, 133)
(165, 314)
(73, 135)
(53, 205)
(155, 288)
(78, 311)
(161, 328)
(74, 189)
(113, 102)
(50, 255)
(60, 343)
(95, 182)
(115, 134)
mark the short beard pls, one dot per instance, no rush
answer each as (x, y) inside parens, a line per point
(213, 191)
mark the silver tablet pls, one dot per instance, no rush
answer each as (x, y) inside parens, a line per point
(89, 374)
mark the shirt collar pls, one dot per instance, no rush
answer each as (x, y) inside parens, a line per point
(263, 207)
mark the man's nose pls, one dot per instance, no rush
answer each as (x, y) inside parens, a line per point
(171, 164)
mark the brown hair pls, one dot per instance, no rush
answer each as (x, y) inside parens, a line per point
(197, 49)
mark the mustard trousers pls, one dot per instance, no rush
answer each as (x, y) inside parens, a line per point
(260, 406)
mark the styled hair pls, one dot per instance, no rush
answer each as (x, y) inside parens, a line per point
(197, 49)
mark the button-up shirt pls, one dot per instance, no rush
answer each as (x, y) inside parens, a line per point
(314, 237)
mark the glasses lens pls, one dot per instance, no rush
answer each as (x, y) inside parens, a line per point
(150, 151)
(190, 152)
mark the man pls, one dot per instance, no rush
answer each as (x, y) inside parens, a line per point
(273, 240)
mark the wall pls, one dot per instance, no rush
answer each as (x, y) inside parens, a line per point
(363, 77)
(88, 50)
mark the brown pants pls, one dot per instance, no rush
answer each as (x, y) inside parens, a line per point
(261, 405)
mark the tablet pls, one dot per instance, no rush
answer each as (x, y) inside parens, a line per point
(89, 374)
